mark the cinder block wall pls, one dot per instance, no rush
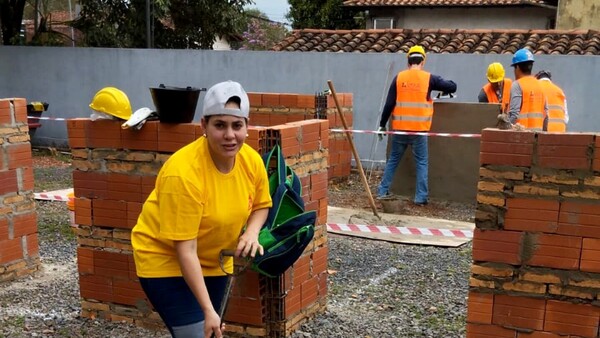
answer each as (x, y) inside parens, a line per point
(270, 109)
(114, 172)
(19, 249)
(536, 249)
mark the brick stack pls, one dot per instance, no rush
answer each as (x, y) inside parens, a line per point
(115, 171)
(270, 109)
(19, 250)
(536, 249)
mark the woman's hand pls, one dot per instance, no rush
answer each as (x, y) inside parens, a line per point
(248, 245)
(212, 325)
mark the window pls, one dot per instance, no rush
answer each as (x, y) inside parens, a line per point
(383, 23)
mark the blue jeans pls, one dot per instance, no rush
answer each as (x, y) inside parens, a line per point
(176, 304)
(420, 152)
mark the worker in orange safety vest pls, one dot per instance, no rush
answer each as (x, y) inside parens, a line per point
(497, 90)
(410, 106)
(558, 114)
(528, 106)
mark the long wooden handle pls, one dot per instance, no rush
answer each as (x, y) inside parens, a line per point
(354, 152)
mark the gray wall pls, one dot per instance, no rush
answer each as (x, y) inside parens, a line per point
(68, 78)
(467, 17)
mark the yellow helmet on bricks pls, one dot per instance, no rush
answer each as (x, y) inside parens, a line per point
(416, 49)
(495, 72)
(112, 101)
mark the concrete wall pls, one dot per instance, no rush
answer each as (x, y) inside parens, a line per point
(68, 78)
(468, 18)
(578, 14)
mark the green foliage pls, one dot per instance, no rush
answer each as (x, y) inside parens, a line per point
(176, 23)
(261, 33)
(325, 14)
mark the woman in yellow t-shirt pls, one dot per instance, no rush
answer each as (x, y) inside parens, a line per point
(205, 195)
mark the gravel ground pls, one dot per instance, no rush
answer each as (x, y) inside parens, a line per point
(377, 289)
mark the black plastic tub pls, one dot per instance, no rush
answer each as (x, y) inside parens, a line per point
(175, 104)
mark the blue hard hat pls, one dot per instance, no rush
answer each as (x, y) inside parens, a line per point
(522, 55)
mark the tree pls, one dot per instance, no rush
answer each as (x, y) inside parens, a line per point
(325, 14)
(176, 23)
(11, 15)
(261, 33)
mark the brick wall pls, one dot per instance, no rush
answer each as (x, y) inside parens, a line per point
(536, 248)
(270, 109)
(114, 172)
(19, 254)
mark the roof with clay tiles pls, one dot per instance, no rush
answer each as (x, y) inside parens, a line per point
(446, 3)
(572, 42)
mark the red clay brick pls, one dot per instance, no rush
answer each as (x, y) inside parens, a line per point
(293, 302)
(19, 155)
(10, 250)
(497, 246)
(574, 319)
(488, 331)
(3, 229)
(497, 135)
(565, 139)
(8, 182)
(24, 224)
(532, 204)
(538, 334)
(27, 182)
(143, 139)
(306, 101)
(310, 290)
(255, 99)
(519, 312)
(590, 255)
(563, 162)
(562, 151)
(505, 159)
(288, 100)
(96, 287)
(104, 134)
(479, 308)
(270, 100)
(506, 148)
(555, 251)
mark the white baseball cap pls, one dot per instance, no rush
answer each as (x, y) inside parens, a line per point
(217, 96)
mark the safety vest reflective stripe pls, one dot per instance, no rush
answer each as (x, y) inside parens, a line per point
(414, 110)
(556, 107)
(531, 115)
(413, 105)
(412, 118)
(557, 121)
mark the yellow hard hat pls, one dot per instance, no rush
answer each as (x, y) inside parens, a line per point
(112, 101)
(495, 72)
(416, 49)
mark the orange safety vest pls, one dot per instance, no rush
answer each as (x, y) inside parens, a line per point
(556, 106)
(531, 115)
(493, 98)
(413, 111)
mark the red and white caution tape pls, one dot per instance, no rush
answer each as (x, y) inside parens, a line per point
(459, 233)
(57, 195)
(46, 118)
(403, 133)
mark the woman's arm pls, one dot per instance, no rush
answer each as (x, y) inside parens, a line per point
(192, 273)
(248, 244)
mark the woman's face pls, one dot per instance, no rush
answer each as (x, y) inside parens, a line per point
(226, 135)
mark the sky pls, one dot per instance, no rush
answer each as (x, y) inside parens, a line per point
(274, 9)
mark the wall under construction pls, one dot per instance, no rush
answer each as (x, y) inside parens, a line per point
(536, 248)
(19, 249)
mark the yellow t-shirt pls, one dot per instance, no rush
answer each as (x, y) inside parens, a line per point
(192, 199)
